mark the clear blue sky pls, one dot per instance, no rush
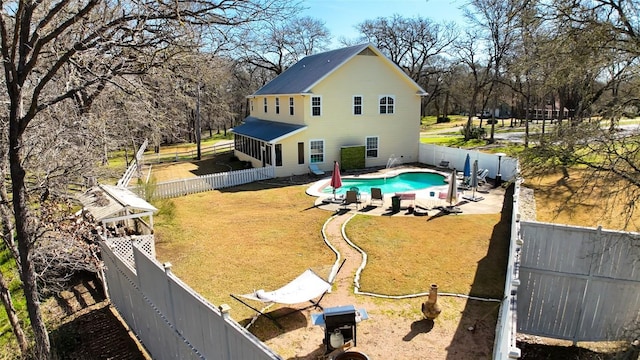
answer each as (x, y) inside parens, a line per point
(340, 16)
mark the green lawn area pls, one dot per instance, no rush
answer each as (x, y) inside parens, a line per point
(10, 272)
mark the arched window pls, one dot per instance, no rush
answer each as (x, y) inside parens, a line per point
(387, 102)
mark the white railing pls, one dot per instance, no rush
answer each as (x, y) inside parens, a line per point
(134, 166)
(171, 320)
(209, 182)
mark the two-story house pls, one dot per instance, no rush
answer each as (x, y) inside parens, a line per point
(326, 102)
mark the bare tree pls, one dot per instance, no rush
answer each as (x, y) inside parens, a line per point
(43, 43)
(468, 53)
(276, 45)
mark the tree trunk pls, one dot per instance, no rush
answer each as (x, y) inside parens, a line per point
(5, 294)
(23, 232)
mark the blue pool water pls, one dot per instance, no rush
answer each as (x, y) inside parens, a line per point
(408, 181)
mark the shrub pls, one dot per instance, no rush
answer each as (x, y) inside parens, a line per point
(475, 132)
(442, 119)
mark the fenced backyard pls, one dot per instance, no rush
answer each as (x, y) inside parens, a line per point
(523, 308)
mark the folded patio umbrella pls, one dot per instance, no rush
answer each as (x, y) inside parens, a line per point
(336, 180)
(466, 172)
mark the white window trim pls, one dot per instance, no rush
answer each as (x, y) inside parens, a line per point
(387, 105)
(291, 106)
(353, 105)
(366, 149)
(311, 104)
(324, 146)
(277, 105)
(266, 105)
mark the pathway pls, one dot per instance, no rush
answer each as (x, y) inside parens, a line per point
(344, 279)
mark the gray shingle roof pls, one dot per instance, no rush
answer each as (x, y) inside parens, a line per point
(266, 130)
(300, 77)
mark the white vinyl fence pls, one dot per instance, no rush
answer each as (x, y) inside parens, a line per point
(209, 182)
(433, 154)
(579, 284)
(504, 346)
(171, 320)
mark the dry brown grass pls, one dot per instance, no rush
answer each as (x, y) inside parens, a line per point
(574, 201)
(452, 251)
(260, 236)
(243, 239)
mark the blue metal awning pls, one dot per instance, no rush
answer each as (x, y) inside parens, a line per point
(265, 130)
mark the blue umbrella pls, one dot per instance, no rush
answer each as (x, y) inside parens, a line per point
(466, 172)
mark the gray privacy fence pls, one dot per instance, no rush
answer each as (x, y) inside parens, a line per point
(170, 319)
(580, 284)
(209, 182)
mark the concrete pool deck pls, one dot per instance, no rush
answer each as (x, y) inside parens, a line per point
(423, 205)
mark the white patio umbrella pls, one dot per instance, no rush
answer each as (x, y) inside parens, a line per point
(452, 192)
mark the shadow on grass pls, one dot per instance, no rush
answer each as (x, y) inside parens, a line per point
(288, 318)
(476, 330)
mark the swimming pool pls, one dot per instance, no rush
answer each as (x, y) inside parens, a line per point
(407, 181)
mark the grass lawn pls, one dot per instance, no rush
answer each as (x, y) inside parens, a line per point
(403, 252)
(260, 236)
(250, 237)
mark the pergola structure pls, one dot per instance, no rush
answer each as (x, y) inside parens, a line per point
(113, 204)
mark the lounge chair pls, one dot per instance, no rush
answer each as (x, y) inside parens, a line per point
(315, 170)
(376, 194)
(305, 287)
(482, 177)
(351, 197)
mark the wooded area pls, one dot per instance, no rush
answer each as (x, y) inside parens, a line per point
(87, 77)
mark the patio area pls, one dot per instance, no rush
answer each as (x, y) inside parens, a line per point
(427, 201)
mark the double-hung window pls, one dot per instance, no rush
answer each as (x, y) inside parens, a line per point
(357, 105)
(387, 104)
(316, 106)
(265, 105)
(277, 105)
(291, 106)
(316, 151)
(372, 146)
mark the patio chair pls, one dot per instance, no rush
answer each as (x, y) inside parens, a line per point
(376, 194)
(315, 170)
(356, 190)
(351, 197)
